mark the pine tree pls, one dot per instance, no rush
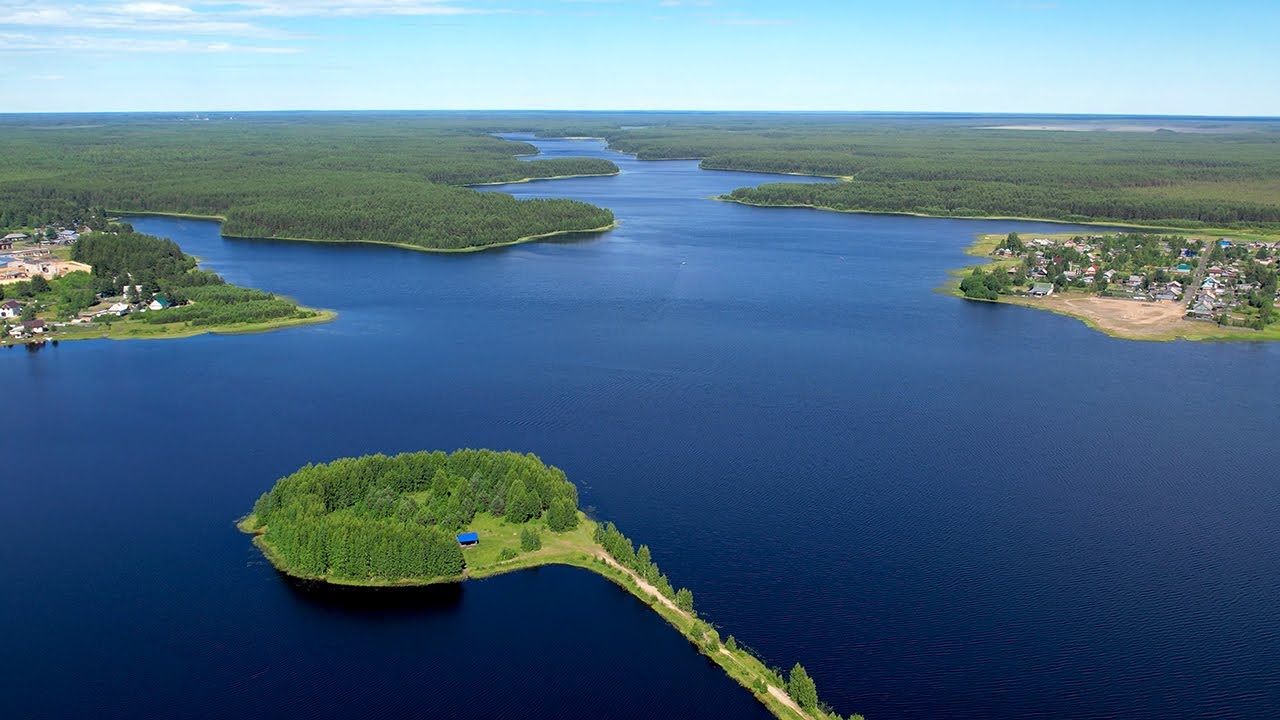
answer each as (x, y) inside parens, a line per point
(802, 689)
(562, 515)
(684, 599)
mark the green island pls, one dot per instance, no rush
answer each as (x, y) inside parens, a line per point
(84, 276)
(430, 517)
(389, 179)
(1134, 285)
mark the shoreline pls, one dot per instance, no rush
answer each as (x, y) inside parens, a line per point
(1242, 234)
(406, 246)
(321, 317)
(541, 179)
(739, 664)
(1189, 330)
(841, 178)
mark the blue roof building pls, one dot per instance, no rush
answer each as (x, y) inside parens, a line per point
(469, 538)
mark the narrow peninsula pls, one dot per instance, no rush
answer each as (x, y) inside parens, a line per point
(431, 517)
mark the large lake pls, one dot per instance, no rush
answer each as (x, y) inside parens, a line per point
(943, 509)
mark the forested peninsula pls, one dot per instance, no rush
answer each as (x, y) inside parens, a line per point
(395, 179)
(431, 517)
(112, 282)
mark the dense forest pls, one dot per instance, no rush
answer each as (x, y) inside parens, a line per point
(401, 178)
(391, 518)
(1196, 173)
(963, 198)
(389, 179)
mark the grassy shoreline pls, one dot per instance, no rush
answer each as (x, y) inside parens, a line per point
(1241, 234)
(174, 331)
(578, 549)
(405, 246)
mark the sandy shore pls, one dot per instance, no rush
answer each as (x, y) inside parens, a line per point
(1125, 318)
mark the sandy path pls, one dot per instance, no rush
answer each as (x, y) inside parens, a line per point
(778, 693)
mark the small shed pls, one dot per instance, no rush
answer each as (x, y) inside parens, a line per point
(468, 539)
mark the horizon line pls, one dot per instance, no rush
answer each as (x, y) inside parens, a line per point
(954, 113)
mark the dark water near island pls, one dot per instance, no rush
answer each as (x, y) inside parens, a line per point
(943, 509)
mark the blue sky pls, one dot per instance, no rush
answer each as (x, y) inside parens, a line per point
(1054, 56)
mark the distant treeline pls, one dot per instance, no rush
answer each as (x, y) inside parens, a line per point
(951, 166)
(388, 180)
(962, 198)
(380, 517)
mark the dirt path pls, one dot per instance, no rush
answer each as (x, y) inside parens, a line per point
(778, 693)
(643, 584)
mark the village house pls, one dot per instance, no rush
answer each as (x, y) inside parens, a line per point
(1042, 289)
(10, 309)
(158, 303)
(42, 264)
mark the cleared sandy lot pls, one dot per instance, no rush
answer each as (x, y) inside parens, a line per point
(1129, 318)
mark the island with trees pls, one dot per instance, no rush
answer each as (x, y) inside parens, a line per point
(103, 280)
(1135, 285)
(433, 517)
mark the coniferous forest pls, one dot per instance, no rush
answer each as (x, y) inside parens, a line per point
(390, 518)
(1181, 173)
(400, 178)
(332, 178)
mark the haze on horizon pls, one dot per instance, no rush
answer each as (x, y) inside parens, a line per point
(999, 56)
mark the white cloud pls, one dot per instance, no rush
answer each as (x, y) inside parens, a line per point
(153, 9)
(136, 17)
(189, 26)
(350, 8)
(63, 44)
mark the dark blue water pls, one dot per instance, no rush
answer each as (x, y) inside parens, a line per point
(943, 509)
